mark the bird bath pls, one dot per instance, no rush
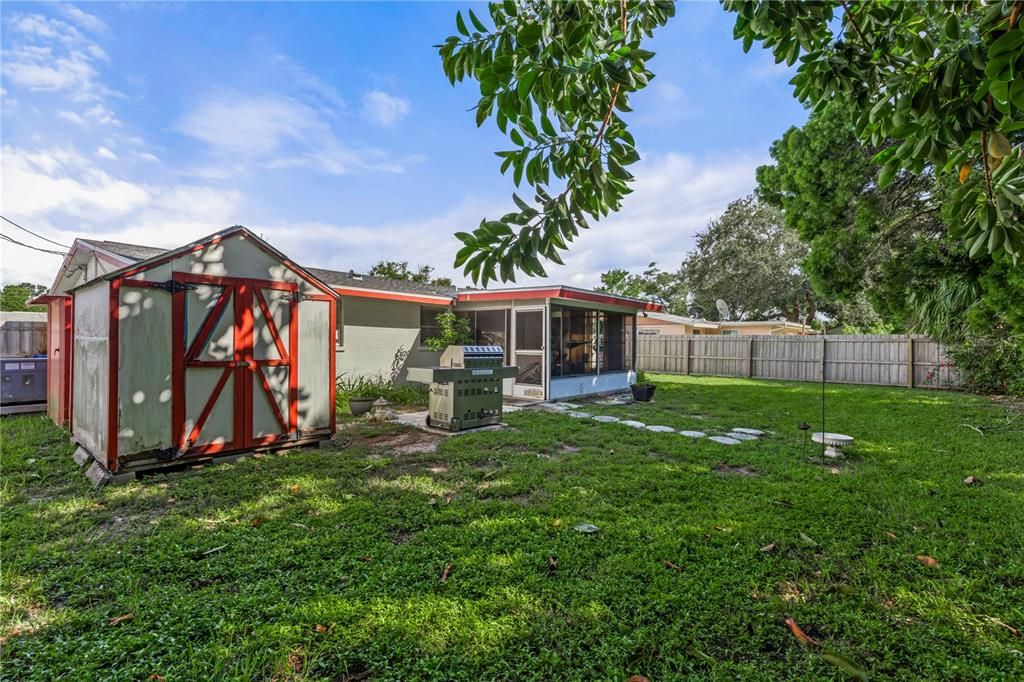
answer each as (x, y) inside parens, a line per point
(834, 442)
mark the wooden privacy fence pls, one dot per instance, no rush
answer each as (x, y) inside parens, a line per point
(21, 338)
(914, 361)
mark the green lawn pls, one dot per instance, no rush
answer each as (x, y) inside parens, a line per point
(328, 564)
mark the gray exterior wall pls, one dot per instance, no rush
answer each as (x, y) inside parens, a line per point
(374, 331)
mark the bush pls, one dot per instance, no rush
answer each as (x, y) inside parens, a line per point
(990, 365)
(379, 387)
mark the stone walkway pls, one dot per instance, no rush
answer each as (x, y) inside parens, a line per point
(736, 436)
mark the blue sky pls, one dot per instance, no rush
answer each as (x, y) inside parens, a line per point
(331, 130)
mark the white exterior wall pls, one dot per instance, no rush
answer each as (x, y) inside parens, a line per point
(374, 331)
(144, 376)
(237, 256)
(315, 378)
(90, 392)
(570, 387)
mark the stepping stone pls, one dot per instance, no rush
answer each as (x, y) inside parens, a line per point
(634, 424)
(693, 434)
(725, 440)
(580, 415)
(568, 406)
(606, 419)
(554, 406)
(661, 429)
(749, 432)
(741, 436)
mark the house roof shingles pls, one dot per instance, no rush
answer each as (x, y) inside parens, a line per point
(133, 252)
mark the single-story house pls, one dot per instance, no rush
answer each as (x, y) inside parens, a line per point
(565, 341)
(665, 324)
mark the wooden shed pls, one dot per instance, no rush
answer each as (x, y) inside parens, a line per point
(218, 347)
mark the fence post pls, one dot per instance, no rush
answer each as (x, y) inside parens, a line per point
(821, 367)
(686, 355)
(910, 361)
(750, 356)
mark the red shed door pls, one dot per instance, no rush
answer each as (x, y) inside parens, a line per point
(235, 351)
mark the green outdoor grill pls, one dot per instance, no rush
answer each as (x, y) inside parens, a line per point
(465, 390)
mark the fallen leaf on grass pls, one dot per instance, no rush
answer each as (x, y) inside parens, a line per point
(295, 488)
(585, 528)
(367, 558)
(557, 523)
(804, 638)
(808, 540)
(301, 525)
(723, 529)
(926, 560)
(214, 550)
(638, 678)
(972, 480)
(674, 567)
(154, 676)
(552, 565)
(770, 547)
(889, 534)
(120, 619)
(447, 572)
(258, 521)
(1009, 628)
(320, 628)
(846, 664)
(783, 503)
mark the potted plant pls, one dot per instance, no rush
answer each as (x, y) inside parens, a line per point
(360, 404)
(643, 390)
(358, 392)
(452, 330)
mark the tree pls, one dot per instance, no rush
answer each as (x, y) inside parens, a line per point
(944, 81)
(747, 258)
(15, 297)
(653, 284)
(392, 269)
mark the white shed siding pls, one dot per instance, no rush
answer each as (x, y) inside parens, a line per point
(144, 377)
(91, 367)
(237, 256)
(314, 365)
(375, 330)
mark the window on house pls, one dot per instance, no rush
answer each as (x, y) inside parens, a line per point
(729, 332)
(428, 322)
(490, 328)
(339, 325)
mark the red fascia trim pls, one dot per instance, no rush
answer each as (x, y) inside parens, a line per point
(556, 292)
(333, 360)
(113, 339)
(392, 296)
(69, 357)
(43, 299)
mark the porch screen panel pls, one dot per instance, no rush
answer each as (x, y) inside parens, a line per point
(574, 351)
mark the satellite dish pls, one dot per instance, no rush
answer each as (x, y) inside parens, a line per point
(723, 309)
(696, 311)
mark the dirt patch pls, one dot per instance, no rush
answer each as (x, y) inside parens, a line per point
(735, 470)
(409, 443)
(402, 536)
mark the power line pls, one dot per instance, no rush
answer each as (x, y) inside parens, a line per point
(34, 234)
(29, 246)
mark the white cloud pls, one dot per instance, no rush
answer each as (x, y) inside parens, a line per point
(72, 117)
(276, 132)
(64, 195)
(105, 153)
(44, 54)
(85, 20)
(310, 82)
(146, 156)
(383, 109)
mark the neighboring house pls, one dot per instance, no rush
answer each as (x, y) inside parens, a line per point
(565, 341)
(664, 324)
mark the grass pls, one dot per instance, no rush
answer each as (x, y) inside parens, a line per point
(328, 564)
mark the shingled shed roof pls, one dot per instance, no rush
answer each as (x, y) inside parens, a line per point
(333, 278)
(133, 252)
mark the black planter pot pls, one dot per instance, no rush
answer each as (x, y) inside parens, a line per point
(360, 405)
(642, 393)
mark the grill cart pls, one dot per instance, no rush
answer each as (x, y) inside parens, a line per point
(465, 390)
